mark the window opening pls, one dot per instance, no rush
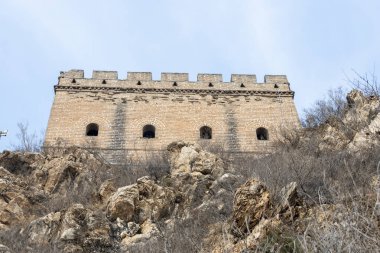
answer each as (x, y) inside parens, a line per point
(262, 134)
(149, 131)
(205, 132)
(92, 129)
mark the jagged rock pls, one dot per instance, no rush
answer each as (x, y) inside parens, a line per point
(358, 128)
(130, 230)
(368, 137)
(251, 202)
(363, 116)
(42, 230)
(141, 201)
(333, 137)
(106, 189)
(98, 232)
(75, 171)
(72, 222)
(14, 201)
(76, 229)
(288, 197)
(4, 249)
(122, 204)
(149, 232)
(70, 248)
(290, 205)
(186, 157)
(20, 163)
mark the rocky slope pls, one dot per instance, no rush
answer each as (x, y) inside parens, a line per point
(67, 203)
(197, 197)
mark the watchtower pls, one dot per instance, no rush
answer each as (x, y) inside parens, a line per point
(138, 115)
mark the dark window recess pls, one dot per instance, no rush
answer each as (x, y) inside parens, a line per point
(262, 134)
(138, 83)
(205, 132)
(149, 131)
(175, 84)
(242, 85)
(74, 81)
(92, 129)
(210, 85)
(104, 82)
(276, 86)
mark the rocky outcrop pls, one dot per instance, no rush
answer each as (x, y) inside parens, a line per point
(16, 200)
(75, 228)
(251, 203)
(359, 127)
(256, 214)
(29, 182)
(199, 191)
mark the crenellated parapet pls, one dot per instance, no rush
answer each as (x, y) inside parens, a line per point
(175, 82)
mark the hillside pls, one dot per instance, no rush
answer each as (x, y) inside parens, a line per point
(319, 192)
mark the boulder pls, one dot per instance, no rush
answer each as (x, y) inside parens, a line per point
(42, 230)
(187, 157)
(141, 201)
(148, 233)
(72, 223)
(106, 189)
(122, 204)
(251, 204)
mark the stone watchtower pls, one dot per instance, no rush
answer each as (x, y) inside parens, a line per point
(133, 117)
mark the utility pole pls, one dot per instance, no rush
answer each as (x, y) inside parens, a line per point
(3, 133)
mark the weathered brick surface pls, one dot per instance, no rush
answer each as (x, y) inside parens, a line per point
(122, 108)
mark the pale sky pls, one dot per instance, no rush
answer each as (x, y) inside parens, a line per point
(316, 44)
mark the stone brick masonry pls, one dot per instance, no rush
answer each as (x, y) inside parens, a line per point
(176, 107)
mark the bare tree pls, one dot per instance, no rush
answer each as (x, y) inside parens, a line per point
(366, 83)
(331, 107)
(27, 142)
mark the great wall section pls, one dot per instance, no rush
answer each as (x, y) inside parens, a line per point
(136, 116)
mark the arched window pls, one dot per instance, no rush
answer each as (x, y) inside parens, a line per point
(92, 129)
(205, 132)
(149, 131)
(262, 134)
